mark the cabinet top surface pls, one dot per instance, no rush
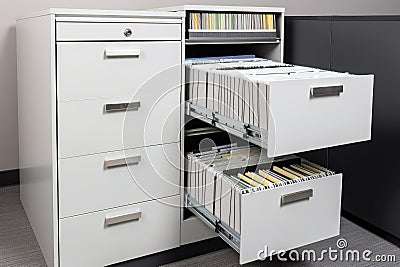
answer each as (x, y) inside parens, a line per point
(65, 12)
(223, 8)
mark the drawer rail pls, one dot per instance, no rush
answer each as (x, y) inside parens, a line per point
(225, 232)
(243, 130)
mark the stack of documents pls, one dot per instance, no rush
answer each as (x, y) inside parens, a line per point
(218, 178)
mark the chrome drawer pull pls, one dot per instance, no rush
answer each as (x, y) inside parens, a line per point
(298, 196)
(122, 162)
(326, 91)
(122, 106)
(111, 220)
(122, 53)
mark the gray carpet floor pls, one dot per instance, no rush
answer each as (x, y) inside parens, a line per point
(357, 239)
(18, 246)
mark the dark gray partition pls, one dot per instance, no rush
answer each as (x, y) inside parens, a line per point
(307, 41)
(371, 185)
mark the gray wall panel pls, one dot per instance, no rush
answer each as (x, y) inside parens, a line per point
(307, 42)
(366, 44)
(371, 188)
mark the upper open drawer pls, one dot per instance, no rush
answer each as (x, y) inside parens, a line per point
(284, 108)
(315, 113)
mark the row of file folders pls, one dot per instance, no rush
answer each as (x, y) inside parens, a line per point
(231, 21)
(218, 178)
(236, 88)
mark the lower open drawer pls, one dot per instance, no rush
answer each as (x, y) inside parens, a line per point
(261, 220)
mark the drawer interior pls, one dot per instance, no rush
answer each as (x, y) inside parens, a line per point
(246, 197)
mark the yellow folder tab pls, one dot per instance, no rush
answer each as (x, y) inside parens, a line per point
(301, 170)
(293, 172)
(311, 167)
(234, 153)
(257, 178)
(284, 173)
(247, 180)
(267, 176)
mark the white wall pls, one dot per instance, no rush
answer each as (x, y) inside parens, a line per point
(11, 9)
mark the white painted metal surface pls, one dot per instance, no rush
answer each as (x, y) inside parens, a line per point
(84, 70)
(298, 122)
(67, 31)
(37, 130)
(95, 187)
(86, 240)
(266, 223)
(104, 14)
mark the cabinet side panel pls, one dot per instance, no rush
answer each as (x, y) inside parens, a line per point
(37, 130)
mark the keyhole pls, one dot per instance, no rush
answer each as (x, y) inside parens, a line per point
(128, 32)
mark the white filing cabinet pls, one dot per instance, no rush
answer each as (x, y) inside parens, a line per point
(99, 115)
(101, 138)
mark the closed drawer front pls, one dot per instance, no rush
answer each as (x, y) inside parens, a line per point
(86, 127)
(314, 113)
(73, 31)
(93, 70)
(97, 239)
(108, 180)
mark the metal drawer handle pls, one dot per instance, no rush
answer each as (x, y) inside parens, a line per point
(122, 162)
(111, 220)
(297, 196)
(326, 91)
(122, 106)
(122, 53)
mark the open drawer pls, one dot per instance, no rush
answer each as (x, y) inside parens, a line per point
(284, 108)
(325, 111)
(258, 217)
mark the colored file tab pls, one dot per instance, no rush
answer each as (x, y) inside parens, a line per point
(267, 176)
(247, 180)
(257, 178)
(284, 173)
(231, 21)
